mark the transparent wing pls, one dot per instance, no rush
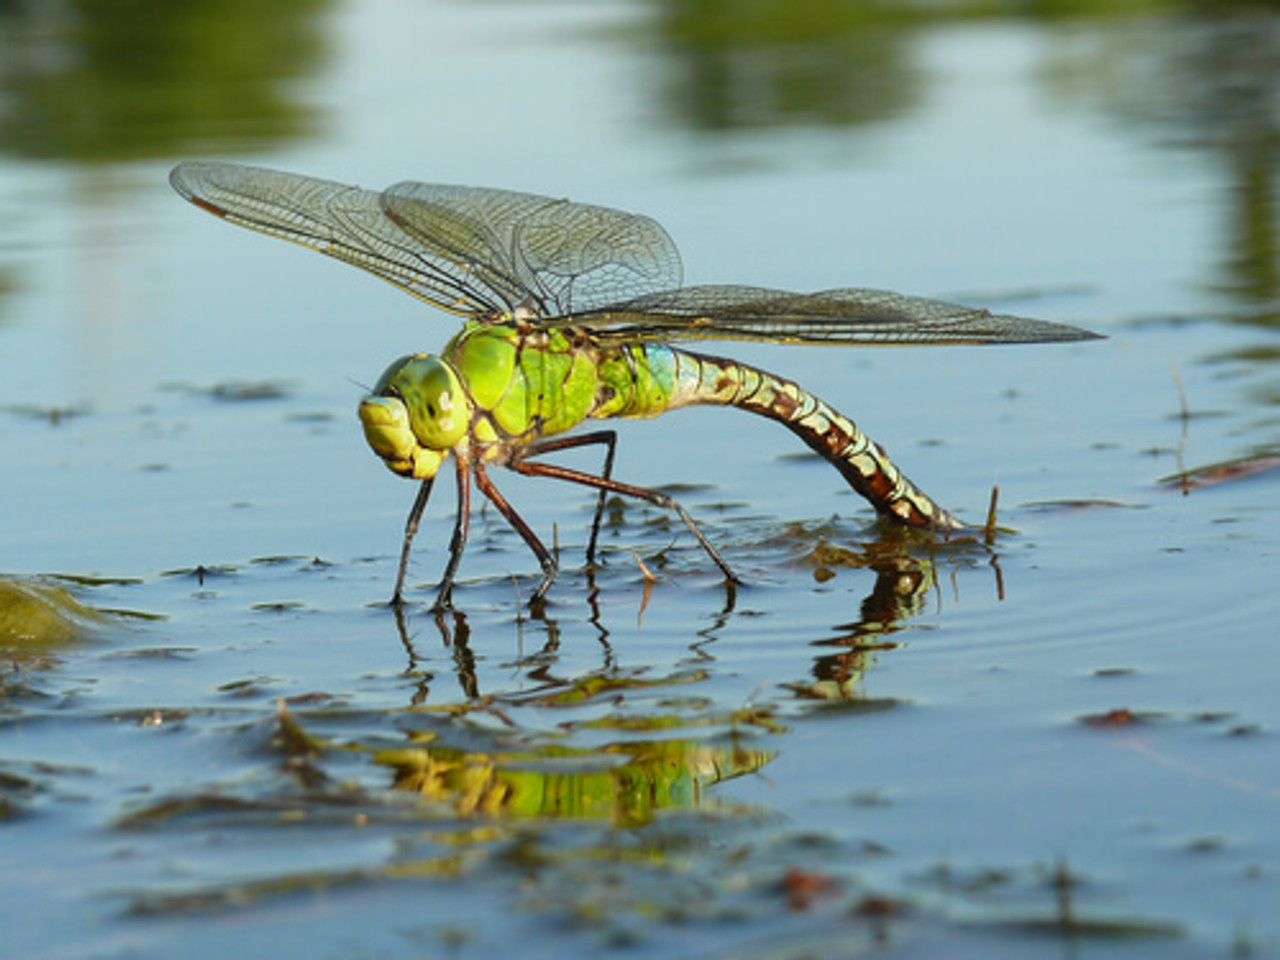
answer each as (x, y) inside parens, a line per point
(339, 220)
(852, 316)
(465, 249)
(485, 252)
(568, 257)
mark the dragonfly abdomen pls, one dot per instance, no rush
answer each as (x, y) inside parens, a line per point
(701, 379)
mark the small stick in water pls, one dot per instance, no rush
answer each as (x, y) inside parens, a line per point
(990, 529)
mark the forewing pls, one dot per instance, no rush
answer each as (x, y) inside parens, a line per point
(341, 221)
(568, 257)
(475, 251)
(853, 316)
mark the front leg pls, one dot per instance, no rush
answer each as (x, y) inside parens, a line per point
(410, 531)
(457, 542)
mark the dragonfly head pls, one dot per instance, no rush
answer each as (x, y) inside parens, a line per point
(416, 414)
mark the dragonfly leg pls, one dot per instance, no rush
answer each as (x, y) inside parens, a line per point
(457, 542)
(544, 556)
(410, 531)
(610, 439)
(556, 472)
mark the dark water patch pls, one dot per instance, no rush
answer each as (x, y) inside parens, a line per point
(285, 559)
(255, 688)
(1245, 730)
(1110, 672)
(219, 898)
(152, 653)
(53, 416)
(1260, 353)
(235, 391)
(1088, 927)
(836, 700)
(279, 606)
(680, 488)
(1206, 845)
(1001, 898)
(1051, 507)
(685, 719)
(125, 614)
(26, 784)
(17, 790)
(1024, 295)
(86, 580)
(1230, 471)
(1119, 718)
(314, 700)
(799, 456)
(596, 686)
(21, 690)
(200, 573)
(214, 809)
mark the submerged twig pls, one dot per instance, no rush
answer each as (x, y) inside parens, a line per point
(989, 532)
(995, 565)
(645, 571)
(1184, 417)
(1183, 412)
(649, 581)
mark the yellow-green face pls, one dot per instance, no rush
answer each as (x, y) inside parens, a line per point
(416, 414)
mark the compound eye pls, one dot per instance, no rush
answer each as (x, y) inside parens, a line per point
(386, 385)
(431, 392)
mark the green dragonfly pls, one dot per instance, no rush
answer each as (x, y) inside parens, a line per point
(570, 312)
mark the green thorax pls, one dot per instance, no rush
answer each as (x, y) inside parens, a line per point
(528, 381)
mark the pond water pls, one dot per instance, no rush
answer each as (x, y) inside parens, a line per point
(215, 735)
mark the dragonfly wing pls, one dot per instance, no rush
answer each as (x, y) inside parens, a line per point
(485, 252)
(339, 220)
(851, 315)
(567, 257)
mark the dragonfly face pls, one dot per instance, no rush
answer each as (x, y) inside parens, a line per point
(416, 414)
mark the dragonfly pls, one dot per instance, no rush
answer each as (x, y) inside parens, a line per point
(571, 314)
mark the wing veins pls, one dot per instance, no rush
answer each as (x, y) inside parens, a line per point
(488, 253)
(846, 316)
(340, 221)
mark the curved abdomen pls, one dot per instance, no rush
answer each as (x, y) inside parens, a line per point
(663, 378)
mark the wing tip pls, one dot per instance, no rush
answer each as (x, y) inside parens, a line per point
(180, 182)
(190, 180)
(180, 176)
(1066, 333)
(1027, 330)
